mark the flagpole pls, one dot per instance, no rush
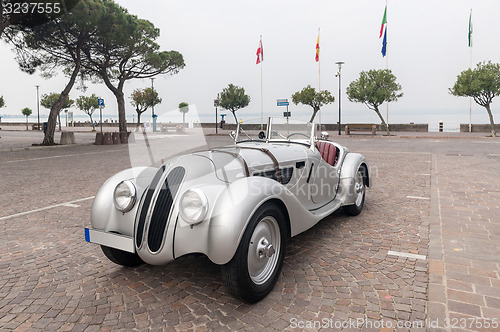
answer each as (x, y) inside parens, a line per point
(470, 66)
(261, 92)
(387, 67)
(319, 83)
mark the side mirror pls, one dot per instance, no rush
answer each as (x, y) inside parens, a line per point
(262, 135)
(324, 135)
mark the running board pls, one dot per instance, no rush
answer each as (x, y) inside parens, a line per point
(327, 209)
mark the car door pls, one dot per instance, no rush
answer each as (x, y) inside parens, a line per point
(325, 177)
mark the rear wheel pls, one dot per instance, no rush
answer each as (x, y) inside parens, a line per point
(359, 192)
(121, 257)
(253, 271)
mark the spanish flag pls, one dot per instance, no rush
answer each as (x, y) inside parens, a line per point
(317, 49)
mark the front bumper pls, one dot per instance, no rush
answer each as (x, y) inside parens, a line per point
(112, 240)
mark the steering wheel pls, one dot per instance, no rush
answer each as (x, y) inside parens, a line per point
(297, 134)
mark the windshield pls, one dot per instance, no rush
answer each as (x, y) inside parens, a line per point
(276, 129)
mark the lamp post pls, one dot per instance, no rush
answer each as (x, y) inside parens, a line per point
(216, 104)
(153, 104)
(339, 63)
(38, 104)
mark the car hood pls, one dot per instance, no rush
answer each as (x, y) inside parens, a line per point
(229, 161)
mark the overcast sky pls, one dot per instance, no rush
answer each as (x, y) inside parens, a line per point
(427, 49)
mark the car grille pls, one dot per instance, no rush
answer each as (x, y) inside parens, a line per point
(162, 208)
(145, 206)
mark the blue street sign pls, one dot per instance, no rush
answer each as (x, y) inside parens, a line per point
(100, 102)
(282, 102)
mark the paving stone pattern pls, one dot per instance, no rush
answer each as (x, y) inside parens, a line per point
(50, 279)
(464, 261)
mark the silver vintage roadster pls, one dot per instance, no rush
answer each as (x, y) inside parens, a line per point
(236, 204)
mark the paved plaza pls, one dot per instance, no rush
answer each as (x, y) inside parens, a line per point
(423, 253)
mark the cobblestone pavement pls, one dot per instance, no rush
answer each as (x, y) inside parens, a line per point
(343, 268)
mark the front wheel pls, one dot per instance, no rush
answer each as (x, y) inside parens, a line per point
(121, 257)
(253, 271)
(359, 192)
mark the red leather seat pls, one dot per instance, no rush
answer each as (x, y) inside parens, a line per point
(328, 152)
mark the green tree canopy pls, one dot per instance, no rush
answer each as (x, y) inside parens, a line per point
(309, 96)
(26, 111)
(482, 84)
(32, 14)
(58, 46)
(127, 52)
(183, 108)
(142, 99)
(232, 98)
(48, 100)
(372, 88)
(88, 105)
(2, 102)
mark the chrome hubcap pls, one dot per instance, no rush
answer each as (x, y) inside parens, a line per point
(264, 244)
(359, 188)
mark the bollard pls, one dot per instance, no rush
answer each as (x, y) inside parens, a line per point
(107, 139)
(116, 138)
(98, 138)
(440, 126)
(67, 137)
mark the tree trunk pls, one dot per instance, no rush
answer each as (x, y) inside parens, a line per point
(183, 119)
(59, 120)
(26, 122)
(313, 115)
(235, 118)
(383, 122)
(138, 119)
(92, 122)
(120, 98)
(492, 123)
(122, 120)
(56, 108)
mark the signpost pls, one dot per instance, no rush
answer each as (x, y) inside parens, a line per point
(284, 102)
(100, 102)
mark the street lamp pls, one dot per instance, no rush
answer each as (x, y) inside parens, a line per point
(338, 74)
(153, 104)
(38, 104)
(216, 104)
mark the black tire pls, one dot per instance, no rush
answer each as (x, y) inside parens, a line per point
(254, 269)
(360, 189)
(121, 257)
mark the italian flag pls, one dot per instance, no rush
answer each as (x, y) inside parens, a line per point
(384, 22)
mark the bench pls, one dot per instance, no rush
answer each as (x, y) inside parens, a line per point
(36, 127)
(360, 127)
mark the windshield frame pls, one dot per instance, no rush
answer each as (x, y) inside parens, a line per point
(309, 141)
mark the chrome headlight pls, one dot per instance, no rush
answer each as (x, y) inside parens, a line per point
(124, 196)
(193, 206)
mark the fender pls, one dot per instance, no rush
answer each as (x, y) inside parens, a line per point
(220, 236)
(350, 166)
(104, 216)
(237, 204)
